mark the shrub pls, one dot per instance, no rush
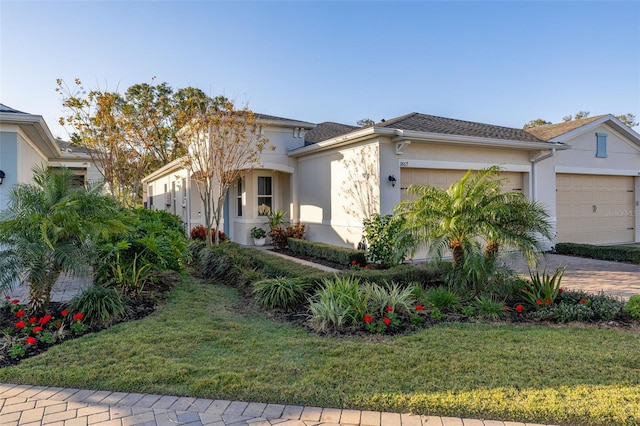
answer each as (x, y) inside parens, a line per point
(426, 276)
(614, 253)
(281, 293)
(99, 305)
(338, 304)
(387, 246)
(442, 298)
(278, 238)
(380, 297)
(200, 233)
(633, 307)
(296, 231)
(489, 307)
(339, 255)
(565, 312)
(543, 289)
(224, 263)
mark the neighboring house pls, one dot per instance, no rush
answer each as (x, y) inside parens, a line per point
(330, 176)
(26, 141)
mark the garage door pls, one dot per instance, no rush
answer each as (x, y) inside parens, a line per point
(595, 209)
(444, 178)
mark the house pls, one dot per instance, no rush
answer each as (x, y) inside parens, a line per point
(330, 176)
(26, 141)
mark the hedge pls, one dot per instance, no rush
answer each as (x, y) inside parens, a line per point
(614, 253)
(335, 254)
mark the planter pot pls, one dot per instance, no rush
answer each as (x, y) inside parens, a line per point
(259, 241)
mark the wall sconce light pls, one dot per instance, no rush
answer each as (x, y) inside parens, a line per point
(2, 175)
(393, 180)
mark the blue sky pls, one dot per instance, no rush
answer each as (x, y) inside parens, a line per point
(502, 63)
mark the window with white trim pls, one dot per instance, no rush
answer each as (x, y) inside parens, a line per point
(239, 198)
(265, 195)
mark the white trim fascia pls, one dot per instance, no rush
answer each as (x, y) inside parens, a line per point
(39, 125)
(597, 171)
(476, 141)
(286, 123)
(615, 123)
(276, 167)
(416, 136)
(460, 165)
(167, 168)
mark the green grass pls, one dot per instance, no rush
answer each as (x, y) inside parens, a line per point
(198, 345)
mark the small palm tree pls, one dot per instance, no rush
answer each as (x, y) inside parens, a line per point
(473, 210)
(47, 230)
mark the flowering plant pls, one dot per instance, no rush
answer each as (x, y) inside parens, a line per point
(29, 332)
(388, 320)
(543, 289)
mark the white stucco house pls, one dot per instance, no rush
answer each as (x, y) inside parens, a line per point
(26, 141)
(329, 176)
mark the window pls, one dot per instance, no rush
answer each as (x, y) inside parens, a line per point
(601, 148)
(239, 198)
(265, 196)
(151, 197)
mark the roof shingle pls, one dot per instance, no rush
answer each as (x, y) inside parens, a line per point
(550, 131)
(327, 130)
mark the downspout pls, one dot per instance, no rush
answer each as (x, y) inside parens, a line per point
(534, 161)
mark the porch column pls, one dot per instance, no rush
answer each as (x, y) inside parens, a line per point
(294, 209)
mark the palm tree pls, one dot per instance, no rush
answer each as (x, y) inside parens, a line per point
(47, 230)
(473, 210)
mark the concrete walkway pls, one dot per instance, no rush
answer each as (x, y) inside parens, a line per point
(37, 405)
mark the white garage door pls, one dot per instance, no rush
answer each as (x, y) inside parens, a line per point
(444, 178)
(595, 209)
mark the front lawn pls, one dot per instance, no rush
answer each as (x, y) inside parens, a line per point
(206, 342)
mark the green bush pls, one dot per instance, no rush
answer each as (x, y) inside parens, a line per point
(338, 304)
(379, 297)
(442, 298)
(425, 275)
(281, 293)
(224, 263)
(489, 307)
(565, 312)
(335, 254)
(614, 253)
(576, 305)
(387, 244)
(633, 307)
(99, 305)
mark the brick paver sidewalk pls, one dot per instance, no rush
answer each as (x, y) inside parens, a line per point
(37, 405)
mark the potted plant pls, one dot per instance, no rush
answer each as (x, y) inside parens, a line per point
(259, 235)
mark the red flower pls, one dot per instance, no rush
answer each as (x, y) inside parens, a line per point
(519, 309)
(560, 290)
(368, 318)
(78, 316)
(547, 301)
(45, 319)
(15, 301)
(37, 329)
(58, 324)
(31, 340)
(583, 300)
(20, 313)
(366, 266)
(20, 324)
(353, 262)
(32, 320)
(8, 297)
(386, 320)
(64, 312)
(419, 308)
(539, 302)
(505, 308)
(389, 309)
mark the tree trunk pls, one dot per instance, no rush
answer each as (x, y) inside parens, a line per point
(457, 251)
(491, 249)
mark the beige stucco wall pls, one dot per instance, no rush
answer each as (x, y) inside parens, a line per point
(28, 157)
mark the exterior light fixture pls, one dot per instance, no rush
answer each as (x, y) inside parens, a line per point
(393, 180)
(2, 175)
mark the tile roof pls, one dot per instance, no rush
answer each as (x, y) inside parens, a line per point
(449, 126)
(4, 108)
(327, 130)
(550, 131)
(67, 147)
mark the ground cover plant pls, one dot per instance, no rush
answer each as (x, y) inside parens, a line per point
(224, 349)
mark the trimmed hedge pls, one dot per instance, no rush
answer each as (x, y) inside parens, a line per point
(403, 275)
(614, 253)
(335, 254)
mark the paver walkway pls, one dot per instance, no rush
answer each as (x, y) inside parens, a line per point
(37, 405)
